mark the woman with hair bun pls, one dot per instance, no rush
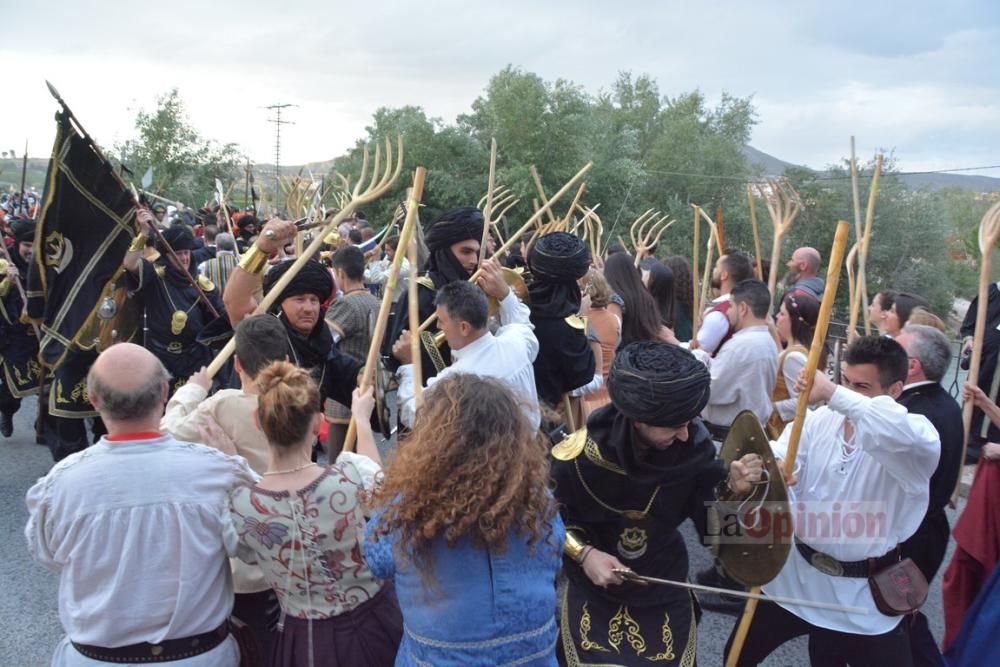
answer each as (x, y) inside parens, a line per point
(303, 525)
(467, 529)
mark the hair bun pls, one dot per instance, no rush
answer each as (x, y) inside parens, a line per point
(277, 373)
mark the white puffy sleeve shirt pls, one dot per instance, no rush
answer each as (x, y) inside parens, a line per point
(139, 534)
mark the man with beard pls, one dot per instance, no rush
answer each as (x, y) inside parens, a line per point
(453, 242)
(565, 362)
(802, 269)
(299, 308)
(247, 229)
(175, 315)
(730, 270)
(640, 468)
(18, 345)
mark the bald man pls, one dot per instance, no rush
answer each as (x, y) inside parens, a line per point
(135, 527)
(802, 270)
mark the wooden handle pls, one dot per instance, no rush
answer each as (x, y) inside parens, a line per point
(756, 233)
(815, 351)
(382, 321)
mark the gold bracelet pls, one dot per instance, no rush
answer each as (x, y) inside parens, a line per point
(138, 243)
(574, 546)
(254, 260)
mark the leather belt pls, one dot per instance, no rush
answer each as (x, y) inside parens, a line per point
(860, 569)
(166, 651)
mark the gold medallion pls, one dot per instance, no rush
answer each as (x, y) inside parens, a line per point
(178, 322)
(632, 543)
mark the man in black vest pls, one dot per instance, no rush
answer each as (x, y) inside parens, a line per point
(929, 357)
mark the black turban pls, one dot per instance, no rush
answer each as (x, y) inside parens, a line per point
(314, 278)
(456, 225)
(179, 237)
(23, 230)
(658, 384)
(559, 257)
(556, 262)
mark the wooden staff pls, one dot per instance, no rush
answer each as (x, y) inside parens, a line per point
(859, 234)
(866, 240)
(852, 324)
(756, 233)
(547, 207)
(706, 281)
(815, 351)
(989, 234)
(784, 205)
(487, 212)
(413, 306)
(359, 197)
(711, 223)
(382, 321)
(720, 231)
(541, 193)
(695, 252)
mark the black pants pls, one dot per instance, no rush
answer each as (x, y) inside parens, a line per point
(926, 547)
(65, 436)
(9, 404)
(259, 612)
(772, 626)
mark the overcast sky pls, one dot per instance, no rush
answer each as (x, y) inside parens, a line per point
(921, 77)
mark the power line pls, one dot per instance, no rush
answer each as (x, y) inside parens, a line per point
(823, 178)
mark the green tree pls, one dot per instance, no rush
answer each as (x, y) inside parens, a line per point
(185, 165)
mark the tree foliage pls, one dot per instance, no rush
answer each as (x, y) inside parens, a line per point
(185, 165)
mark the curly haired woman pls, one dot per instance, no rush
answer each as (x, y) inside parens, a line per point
(303, 524)
(467, 529)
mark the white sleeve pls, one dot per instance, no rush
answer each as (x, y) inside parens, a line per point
(794, 363)
(590, 387)
(905, 444)
(37, 528)
(515, 318)
(406, 396)
(181, 418)
(713, 329)
(368, 469)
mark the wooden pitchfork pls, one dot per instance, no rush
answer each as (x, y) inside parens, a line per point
(989, 234)
(494, 204)
(646, 232)
(593, 231)
(361, 195)
(783, 205)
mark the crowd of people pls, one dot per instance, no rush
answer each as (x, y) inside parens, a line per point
(564, 421)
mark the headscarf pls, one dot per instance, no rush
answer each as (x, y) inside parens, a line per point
(313, 278)
(23, 230)
(310, 350)
(661, 385)
(556, 262)
(454, 226)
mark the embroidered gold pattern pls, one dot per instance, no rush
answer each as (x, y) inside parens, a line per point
(632, 543)
(667, 654)
(633, 634)
(615, 629)
(585, 642)
(591, 450)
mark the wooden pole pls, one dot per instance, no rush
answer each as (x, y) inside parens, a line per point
(541, 193)
(852, 324)
(863, 251)
(706, 281)
(720, 232)
(695, 254)
(756, 233)
(382, 321)
(859, 234)
(989, 234)
(488, 212)
(413, 305)
(815, 351)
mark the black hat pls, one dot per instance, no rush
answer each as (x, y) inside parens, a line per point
(454, 226)
(179, 237)
(313, 278)
(658, 384)
(23, 230)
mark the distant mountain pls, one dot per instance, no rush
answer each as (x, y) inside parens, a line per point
(773, 166)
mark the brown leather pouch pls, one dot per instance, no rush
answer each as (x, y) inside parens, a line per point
(898, 589)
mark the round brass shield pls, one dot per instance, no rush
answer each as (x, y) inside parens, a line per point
(754, 536)
(515, 279)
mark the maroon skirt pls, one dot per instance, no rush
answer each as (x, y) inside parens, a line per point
(367, 635)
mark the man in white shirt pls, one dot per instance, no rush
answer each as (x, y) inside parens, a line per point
(863, 467)
(137, 528)
(730, 270)
(745, 369)
(463, 315)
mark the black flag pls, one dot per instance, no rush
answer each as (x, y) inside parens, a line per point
(85, 226)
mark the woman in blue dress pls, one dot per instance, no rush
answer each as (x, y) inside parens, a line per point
(467, 529)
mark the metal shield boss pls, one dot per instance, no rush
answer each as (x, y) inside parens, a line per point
(754, 537)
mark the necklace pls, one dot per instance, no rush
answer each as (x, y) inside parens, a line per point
(282, 472)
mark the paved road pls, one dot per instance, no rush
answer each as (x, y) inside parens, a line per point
(29, 622)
